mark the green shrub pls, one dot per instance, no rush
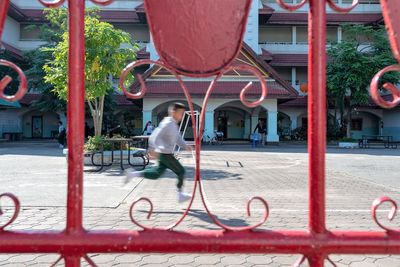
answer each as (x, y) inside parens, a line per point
(94, 144)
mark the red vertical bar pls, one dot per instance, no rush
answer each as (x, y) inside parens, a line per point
(317, 114)
(316, 260)
(72, 261)
(76, 98)
(4, 4)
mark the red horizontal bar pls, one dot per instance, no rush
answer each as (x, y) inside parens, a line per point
(283, 242)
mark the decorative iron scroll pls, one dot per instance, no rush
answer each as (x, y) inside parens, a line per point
(375, 206)
(4, 4)
(17, 208)
(391, 13)
(197, 137)
(315, 245)
(57, 3)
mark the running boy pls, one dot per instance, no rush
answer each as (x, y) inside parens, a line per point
(162, 141)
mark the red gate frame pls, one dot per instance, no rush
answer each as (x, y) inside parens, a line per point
(316, 244)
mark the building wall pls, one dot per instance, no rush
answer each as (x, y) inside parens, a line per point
(370, 125)
(50, 123)
(11, 32)
(251, 35)
(391, 123)
(9, 121)
(119, 4)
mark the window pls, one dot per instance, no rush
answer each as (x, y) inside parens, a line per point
(275, 34)
(29, 32)
(356, 124)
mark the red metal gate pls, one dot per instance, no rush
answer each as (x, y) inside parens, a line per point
(316, 244)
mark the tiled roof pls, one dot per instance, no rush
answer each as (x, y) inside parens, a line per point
(122, 100)
(266, 9)
(17, 52)
(332, 18)
(29, 98)
(289, 60)
(266, 55)
(223, 89)
(108, 15)
(302, 102)
(143, 54)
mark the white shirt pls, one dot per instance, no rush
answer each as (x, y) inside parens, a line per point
(166, 136)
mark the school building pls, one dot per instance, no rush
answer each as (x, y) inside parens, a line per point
(275, 43)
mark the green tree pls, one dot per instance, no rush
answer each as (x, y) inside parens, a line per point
(352, 64)
(107, 52)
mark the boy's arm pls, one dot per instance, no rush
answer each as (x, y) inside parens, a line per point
(255, 129)
(180, 142)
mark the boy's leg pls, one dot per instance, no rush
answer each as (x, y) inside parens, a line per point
(170, 162)
(155, 172)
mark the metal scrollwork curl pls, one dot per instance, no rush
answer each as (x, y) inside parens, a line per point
(292, 7)
(337, 8)
(102, 2)
(17, 208)
(52, 4)
(7, 79)
(376, 204)
(388, 86)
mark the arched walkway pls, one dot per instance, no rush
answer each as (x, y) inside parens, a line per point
(233, 119)
(161, 111)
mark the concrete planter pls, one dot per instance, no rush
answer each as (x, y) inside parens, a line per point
(348, 145)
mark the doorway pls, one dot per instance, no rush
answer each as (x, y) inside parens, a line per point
(223, 125)
(37, 126)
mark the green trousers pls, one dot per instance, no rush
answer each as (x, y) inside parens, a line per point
(166, 161)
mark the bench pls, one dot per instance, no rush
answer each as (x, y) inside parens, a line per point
(137, 153)
(368, 140)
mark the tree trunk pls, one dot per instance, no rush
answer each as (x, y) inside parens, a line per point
(100, 112)
(96, 109)
(348, 128)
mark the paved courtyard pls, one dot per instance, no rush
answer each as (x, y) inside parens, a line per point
(36, 173)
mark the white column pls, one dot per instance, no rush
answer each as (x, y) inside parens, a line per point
(154, 120)
(339, 34)
(293, 120)
(151, 49)
(247, 126)
(254, 121)
(63, 118)
(251, 34)
(294, 76)
(272, 135)
(146, 117)
(294, 35)
(271, 105)
(209, 123)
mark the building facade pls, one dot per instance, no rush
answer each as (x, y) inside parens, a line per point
(275, 43)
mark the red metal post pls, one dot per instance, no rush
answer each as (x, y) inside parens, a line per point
(3, 14)
(76, 113)
(71, 261)
(317, 114)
